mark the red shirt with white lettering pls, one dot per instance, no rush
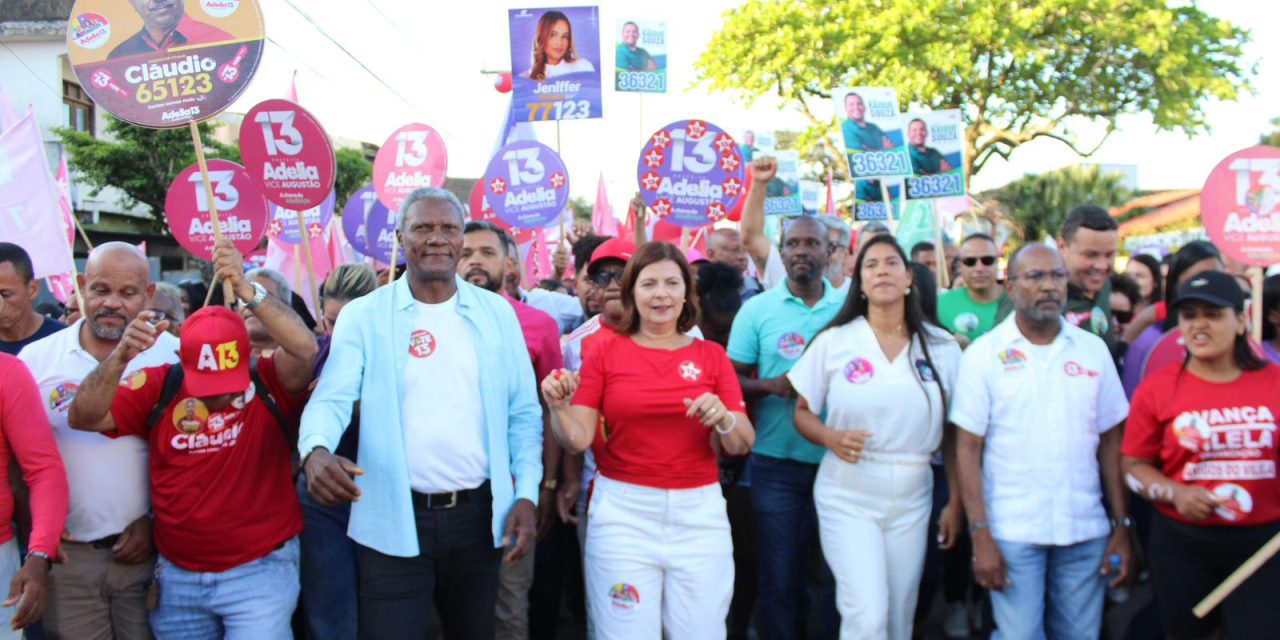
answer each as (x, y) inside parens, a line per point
(221, 482)
(1220, 436)
(640, 393)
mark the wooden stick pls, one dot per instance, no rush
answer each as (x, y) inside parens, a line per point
(888, 207)
(83, 236)
(940, 257)
(1256, 276)
(1255, 562)
(305, 240)
(391, 270)
(228, 296)
(684, 239)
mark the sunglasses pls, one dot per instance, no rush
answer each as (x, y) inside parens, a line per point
(603, 278)
(973, 261)
(1123, 317)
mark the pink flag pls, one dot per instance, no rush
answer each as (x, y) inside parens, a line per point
(29, 212)
(602, 220)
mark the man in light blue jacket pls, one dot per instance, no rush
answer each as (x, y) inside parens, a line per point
(450, 440)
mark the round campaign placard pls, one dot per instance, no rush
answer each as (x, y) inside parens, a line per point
(1240, 205)
(283, 224)
(413, 157)
(164, 63)
(288, 155)
(354, 215)
(241, 209)
(691, 173)
(527, 185)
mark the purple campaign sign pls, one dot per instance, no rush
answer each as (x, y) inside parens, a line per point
(354, 215)
(527, 185)
(691, 173)
(283, 225)
(370, 226)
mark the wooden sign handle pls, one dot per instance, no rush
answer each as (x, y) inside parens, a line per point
(228, 296)
(1255, 562)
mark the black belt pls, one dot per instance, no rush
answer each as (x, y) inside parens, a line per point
(104, 543)
(449, 500)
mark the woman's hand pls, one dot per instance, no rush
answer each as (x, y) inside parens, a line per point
(1192, 502)
(848, 445)
(707, 408)
(558, 388)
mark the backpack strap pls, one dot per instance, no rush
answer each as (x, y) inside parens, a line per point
(172, 384)
(260, 390)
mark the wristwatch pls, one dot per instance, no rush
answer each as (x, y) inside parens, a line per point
(1125, 522)
(550, 485)
(259, 295)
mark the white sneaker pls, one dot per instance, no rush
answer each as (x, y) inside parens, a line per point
(955, 622)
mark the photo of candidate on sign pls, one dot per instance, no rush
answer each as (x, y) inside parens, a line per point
(640, 62)
(555, 64)
(164, 63)
(871, 132)
(935, 142)
(782, 194)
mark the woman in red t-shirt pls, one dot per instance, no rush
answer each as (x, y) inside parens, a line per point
(654, 405)
(1200, 444)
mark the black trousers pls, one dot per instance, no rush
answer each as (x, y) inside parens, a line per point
(456, 570)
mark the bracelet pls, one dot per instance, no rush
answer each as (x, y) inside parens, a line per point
(43, 556)
(733, 424)
(979, 525)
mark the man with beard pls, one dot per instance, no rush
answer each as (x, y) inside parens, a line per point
(1039, 408)
(165, 25)
(769, 335)
(583, 247)
(100, 591)
(485, 263)
(20, 325)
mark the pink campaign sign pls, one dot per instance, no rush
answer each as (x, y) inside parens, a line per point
(287, 154)
(413, 157)
(1240, 205)
(241, 209)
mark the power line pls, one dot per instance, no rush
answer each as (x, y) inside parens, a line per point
(30, 70)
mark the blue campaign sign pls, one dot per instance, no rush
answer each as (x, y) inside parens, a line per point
(935, 140)
(640, 58)
(555, 64)
(871, 132)
(527, 185)
(691, 173)
(283, 225)
(369, 226)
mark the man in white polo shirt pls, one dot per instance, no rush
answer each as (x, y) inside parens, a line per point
(100, 591)
(1038, 404)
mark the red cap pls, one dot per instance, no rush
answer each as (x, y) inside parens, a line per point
(613, 249)
(694, 256)
(215, 352)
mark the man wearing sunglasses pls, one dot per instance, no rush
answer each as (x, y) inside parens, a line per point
(971, 311)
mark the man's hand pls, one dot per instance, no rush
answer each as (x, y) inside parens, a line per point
(228, 266)
(139, 335)
(329, 478)
(560, 260)
(780, 386)
(763, 169)
(1118, 545)
(519, 531)
(135, 545)
(546, 512)
(558, 388)
(950, 524)
(29, 591)
(567, 499)
(989, 569)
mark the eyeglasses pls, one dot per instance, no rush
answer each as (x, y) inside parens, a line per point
(160, 314)
(603, 278)
(1058, 276)
(1123, 317)
(973, 261)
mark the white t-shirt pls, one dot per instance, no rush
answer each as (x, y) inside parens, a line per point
(845, 373)
(565, 68)
(106, 477)
(774, 270)
(441, 416)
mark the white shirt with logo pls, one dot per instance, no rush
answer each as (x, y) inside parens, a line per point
(441, 415)
(106, 477)
(1041, 410)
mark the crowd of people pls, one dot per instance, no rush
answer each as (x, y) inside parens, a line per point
(782, 438)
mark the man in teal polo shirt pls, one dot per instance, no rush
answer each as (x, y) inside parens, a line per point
(925, 160)
(768, 336)
(860, 135)
(630, 56)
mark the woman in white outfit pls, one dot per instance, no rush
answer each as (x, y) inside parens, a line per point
(880, 372)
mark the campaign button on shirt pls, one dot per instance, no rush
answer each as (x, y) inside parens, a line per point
(858, 371)
(690, 371)
(422, 344)
(925, 371)
(1012, 359)
(791, 345)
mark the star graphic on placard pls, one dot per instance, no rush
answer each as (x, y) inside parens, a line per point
(730, 162)
(661, 139)
(695, 129)
(662, 208)
(731, 186)
(650, 181)
(557, 180)
(275, 228)
(314, 229)
(724, 143)
(654, 158)
(498, 186)
(690, 371)
(716, 212)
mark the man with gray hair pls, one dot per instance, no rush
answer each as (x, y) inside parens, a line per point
(277, 287)
(838, 235)
(451, 436)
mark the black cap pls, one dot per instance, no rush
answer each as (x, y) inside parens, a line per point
(1212, 287)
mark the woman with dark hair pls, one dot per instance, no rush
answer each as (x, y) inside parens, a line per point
(658, 555)
(193, 294)
(553, 50)
(880, 372)
(1145, 269)
(1271, 318)
(719, 299)
(1199, 443)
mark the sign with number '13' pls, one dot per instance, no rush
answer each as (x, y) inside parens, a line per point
(1240, 205)
(242, 211)
(691, 173)
(287, 155)
(527, 185)
(411, 158)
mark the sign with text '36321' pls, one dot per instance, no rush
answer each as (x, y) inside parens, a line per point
(412, 157)
(640, 59)
(935, 143)
(555, 64)
(241, 209)
(287, 153)
(164, 63)
(871, 132)
(1240, 205)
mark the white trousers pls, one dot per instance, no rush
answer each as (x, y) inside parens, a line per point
(657, 561)
(873, 521)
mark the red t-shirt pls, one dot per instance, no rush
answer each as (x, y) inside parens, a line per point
(640, 393)
(1220, 436)
(221, 485)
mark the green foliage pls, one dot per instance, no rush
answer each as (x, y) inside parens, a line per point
(1019, 71)
(581, 209)
(1038, 204)
(1272, 137)
(354, 170)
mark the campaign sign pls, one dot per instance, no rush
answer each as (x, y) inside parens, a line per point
(640, 62)
(935, 142)
(283, 225)
(164, 63)
(812, 196)
(1240, 205)
(355, 214)
(871, 131)
(555, 64)
(412, 158)
(782, 194)
(242, 211)
(288, 155)
(527, 185)
(869, 201)
(691, 173)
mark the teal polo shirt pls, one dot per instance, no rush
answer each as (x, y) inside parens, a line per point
(770, 332)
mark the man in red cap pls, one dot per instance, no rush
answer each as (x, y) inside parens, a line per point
(226, 515)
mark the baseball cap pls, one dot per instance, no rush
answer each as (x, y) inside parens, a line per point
(1211, 287)
(611, 249)
(214, 352)
(694, 256)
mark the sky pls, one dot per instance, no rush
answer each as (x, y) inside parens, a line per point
(433, 63)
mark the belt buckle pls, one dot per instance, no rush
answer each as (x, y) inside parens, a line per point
(453, 501)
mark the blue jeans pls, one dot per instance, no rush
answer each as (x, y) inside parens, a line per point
(251, 601)
(1056, 592)
(328, 569)
(786, 529)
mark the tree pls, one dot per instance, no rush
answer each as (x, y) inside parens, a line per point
(354, 170)
(1038, 204)
(581, 209)
(1272, 137)
(1018, 71)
